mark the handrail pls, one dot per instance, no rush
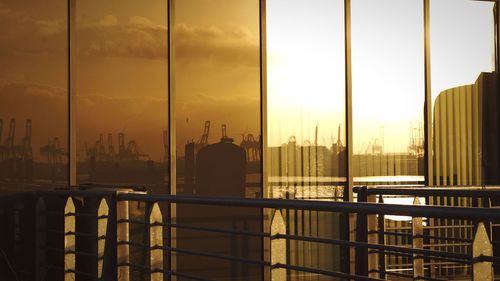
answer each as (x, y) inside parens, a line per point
(456, 191)
(472, 213)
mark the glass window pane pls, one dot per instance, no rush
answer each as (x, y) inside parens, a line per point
(306, 93)
(306, 119)
(463, 91)
(217, 96)
(122, 89)
(217, 115)
(388, 91)
(33, 94)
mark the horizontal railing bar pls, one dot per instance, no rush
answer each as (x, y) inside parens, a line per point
(429, 253)
(389, 253)
(324, 272)
(87, 193)
(342, 207)
(433, 191)
(78, 272)
(409, 235)
(74, 233)
(74, 214)
(444, 238)
(218, 230)
(394, 233)
(451, 260)
(184, 275)
(132, 221)
(447, 226)
(448, 245)
(134, 244)
(493, 259)
(212, 255)
(80, 253)
(72, 271)
(202, 220)
(128, 264)
(397, 274)
(393, 273)
(422, 236)
(149, 270)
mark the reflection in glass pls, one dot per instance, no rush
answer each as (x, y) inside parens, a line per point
(121, 90)
(217, 115)
(217, 95)
(33, 122)
(306, 119)
(33, 95)
(388, 91)
(463, 86)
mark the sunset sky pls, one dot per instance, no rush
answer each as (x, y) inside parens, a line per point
(121, 68)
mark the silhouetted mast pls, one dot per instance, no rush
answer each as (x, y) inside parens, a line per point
(206, 131)
(26, 143)
(121, 143)
(339, 142)
(165, 144)
(316, 135)
(224, 131)
(12, 132)
(111, 149)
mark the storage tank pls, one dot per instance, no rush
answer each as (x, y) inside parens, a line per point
(221, 169)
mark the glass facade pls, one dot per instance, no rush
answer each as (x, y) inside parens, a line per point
(120, 80)
(251, 99)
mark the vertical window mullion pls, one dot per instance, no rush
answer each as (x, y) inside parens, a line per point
(429, 173)
(348, 94)
(71, 18)
(171, 98)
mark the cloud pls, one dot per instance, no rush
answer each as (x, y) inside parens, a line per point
(108, 20)
(50, 27)
(141, 38)
(26, 33)
(136, 37)
(214, 45)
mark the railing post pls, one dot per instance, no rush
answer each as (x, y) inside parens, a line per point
(69, 240)
(372, 239)
(278, 247)
(381, 240)
(122, 237)
(102, 224)
(481, 246)
(171, 262)
(361, 267)
(417, 243)
(234, 252)
(41, 239)
(156, 243)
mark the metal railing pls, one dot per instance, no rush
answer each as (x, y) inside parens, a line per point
(449, 235)
(124, 235)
